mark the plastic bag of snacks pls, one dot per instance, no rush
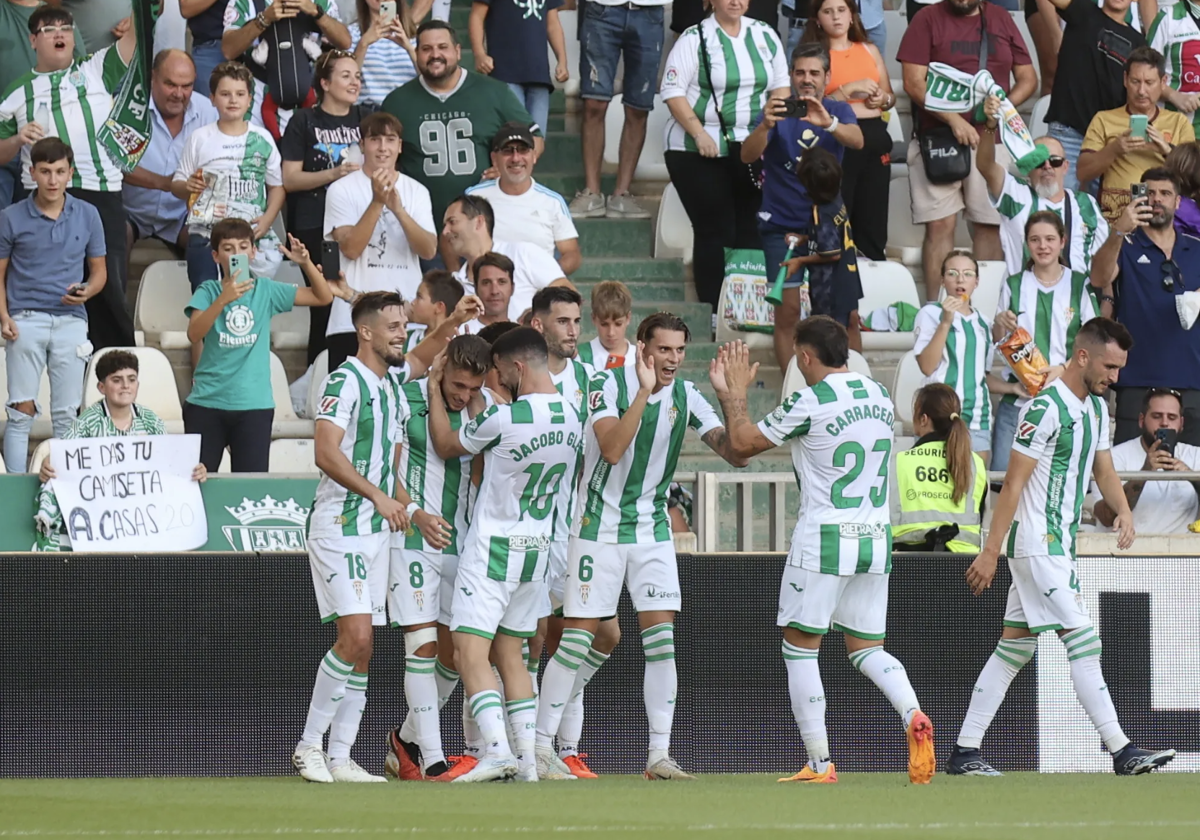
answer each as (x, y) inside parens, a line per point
(1025, 359)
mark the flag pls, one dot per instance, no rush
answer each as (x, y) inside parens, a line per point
(126, 133)
(949, 90)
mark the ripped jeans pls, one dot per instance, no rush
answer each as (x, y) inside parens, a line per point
(607, 33)
(57, 342)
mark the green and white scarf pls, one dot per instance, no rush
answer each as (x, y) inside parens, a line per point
(125, 135)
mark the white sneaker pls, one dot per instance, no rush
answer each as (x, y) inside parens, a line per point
(310, 761)
(550, 767)
(529, 774)
(490, 769)
(666, 769)
(587, 205)
(626, 207)
(349, 771)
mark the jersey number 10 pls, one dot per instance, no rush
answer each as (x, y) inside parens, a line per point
(448, 147)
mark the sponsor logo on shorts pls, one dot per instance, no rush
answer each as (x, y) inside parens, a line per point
(1052, 590)
(392, 588)
(797, 588)
(660, 594)
(331, 577)
(466, 591)
(877, 531)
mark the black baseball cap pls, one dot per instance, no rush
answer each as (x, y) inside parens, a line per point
(512, 131)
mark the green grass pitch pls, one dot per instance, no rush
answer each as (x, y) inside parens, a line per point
(1020, 805)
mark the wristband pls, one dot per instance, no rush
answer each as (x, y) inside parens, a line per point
(412, 508)
(834, 123)
(261, 20)
(320, 11)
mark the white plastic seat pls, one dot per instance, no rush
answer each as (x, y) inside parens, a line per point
(157, 390)
(905, 386)
(289, 330)
(904, 238)
(279, 391)
(293, 455)
(885, 283)
(793, 381)
(39, 456)
(673, 231)
(1038, 127)
(163, 293)
(651, 166)
(857, 364)
(320, 369)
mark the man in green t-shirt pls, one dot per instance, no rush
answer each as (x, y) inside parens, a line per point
(449, 118)
(231, 403)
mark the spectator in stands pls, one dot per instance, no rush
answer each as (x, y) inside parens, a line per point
(1184, 161)
(436, 298)
(953, 345)
(525, 210)
(46, 243)
(951, 32)
(1050, 302)
(116, 415)
(515, 49)
(1159, 507)
(100, 23)
(1175, 34)
(688, 13)
(76, 96)
(468, 228)
(315, 150)
(609, 30)
(206, 22)
(703, 151)
(151, 209)
(384, 51)
(1112, 153)
(612, 312)
(494, 285)
(382, 220)
(231, 403)
(1018, 198)
(460, 111)
(1151, 265)
(230, 169)
(858, 76)
(1099, 41)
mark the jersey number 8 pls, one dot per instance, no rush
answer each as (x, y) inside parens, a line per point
(448, 147)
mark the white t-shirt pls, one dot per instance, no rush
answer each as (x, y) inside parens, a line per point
(538, 216)
(388, 263)
(1165, 507)
(596, 354)
(238, 170)
(533, 269)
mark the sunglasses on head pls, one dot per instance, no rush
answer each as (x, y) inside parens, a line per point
(1054, 161)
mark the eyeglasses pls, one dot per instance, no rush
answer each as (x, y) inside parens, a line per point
(1054, 161)
(966, 273)
(515, 149)
(1171, 276)
(54, 30)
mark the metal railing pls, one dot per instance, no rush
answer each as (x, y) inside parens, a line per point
(706, 512)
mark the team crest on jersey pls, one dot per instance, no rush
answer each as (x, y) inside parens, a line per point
(358, 589)
(672, 416)
(419, 598)
(1070, 313)
(578, 397)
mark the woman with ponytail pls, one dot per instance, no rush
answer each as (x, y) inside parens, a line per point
(938, 486)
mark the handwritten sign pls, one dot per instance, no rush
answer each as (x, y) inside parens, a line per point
(130, 493)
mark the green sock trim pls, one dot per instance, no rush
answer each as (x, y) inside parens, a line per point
(662, 657)
(357, 682)
(660, 643)
(445, 672)
(520, 705)
(336, 665)
(857, 658)
(484, 700)
(1085, 653)
(1076, 634)
(595, 658)
(658, 629)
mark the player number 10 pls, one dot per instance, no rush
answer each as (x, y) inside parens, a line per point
(448, 147)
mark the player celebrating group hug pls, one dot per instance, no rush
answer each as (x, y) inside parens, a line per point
(446, 503)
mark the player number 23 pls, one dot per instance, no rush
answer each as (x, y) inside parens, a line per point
(852, 457)
(448, 147)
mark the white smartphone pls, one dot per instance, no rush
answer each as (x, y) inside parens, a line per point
(387, 11)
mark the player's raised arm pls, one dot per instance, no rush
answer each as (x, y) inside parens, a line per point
(1113, 492)
(613, 433)
(731, 374)
(446, 442)
(421, 357)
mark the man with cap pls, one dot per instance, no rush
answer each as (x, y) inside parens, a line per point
(525, 210)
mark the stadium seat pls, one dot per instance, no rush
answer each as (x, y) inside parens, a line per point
(753, 340)
(857, 364)
(163, 293)
(905, 386)
(904, 238)
(794, 381)
(294, 455)
(320, 369)
(885, 283)
(650, 166)
(40, 454)
(673, 230)
(289, 330)
(987, 297)
(1038, 126)
(895, 127)
(42, 427)
(157, 389)
(286, 423)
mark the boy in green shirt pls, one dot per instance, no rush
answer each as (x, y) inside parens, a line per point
(231, 404)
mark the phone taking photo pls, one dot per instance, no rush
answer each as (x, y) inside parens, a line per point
(1167, 439)
(387, 12)
(331, 260)
(1137, 125)
(795, 108)
(239, 268)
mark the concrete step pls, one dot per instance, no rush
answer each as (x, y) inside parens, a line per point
(564, 153)
(630, 269)
(643, 290)
(616, 237)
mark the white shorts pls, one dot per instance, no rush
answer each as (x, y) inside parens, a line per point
(350, 575)
(1045, 595)
(414, 587)
(485, 607)
(814, 602)
(557, 577)
(596, 571)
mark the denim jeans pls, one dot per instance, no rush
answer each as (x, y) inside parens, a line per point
(10, 182)
(206, 57)
(536, 99)
(57, 342)
(1004, 430)
(200, 265)
(610, 31)
(878, 36)
(1072, 143)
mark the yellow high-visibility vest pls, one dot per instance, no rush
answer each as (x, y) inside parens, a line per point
(923, 498)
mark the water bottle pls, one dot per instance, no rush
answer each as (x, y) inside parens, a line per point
(42, 116)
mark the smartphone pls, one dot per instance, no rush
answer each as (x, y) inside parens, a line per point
(1168, 438)
(1137, 126)
(795, 108)
(76, 288)
(1137, 191)
(331, 260)
(387, 11)
(239, 268)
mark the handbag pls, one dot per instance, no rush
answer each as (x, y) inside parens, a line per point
(946, 160)
(754, 170)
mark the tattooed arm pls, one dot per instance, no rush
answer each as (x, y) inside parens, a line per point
(731, 374)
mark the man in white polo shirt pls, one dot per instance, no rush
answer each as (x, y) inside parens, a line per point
(73, 98)
(525, 210)
(382, 221)
(1159, 507)
(467, 229)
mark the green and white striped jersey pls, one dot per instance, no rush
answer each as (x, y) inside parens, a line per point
(841, 435)
(573, 383)
(366, 408)
(626, 503)
(966, 359)
(744, 69)
(441, 488)
(530, 448)
(238, 170)
(1017, 202)
(1063, 433)
(79, 100)
(1175, 34)
(593, 353)
(1051, 314)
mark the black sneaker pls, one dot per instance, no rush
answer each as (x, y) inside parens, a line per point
(1134, 762)
(965, 762)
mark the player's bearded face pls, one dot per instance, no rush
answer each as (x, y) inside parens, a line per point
(387, 338)
(510, 374)
(1103, 368)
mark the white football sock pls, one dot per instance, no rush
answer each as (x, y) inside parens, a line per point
(571, 728)
(472, 737)
(522, 723)
(532, 666)
(808, 702)
(447, 681)
(1010, 656)
(328, 692)
(488, 711)
(1083, 652)
(421, 691)
(885, 670)
(659, 685)
(558, 682)
(344, 729)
